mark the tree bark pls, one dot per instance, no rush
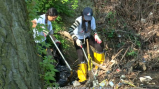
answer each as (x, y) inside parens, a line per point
(19, 64)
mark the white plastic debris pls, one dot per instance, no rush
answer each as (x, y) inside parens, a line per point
(76, 83)
(95, 83)
(150, 15)
(143, 20)
(111, 84)
(119, 35)
(122, 76)
(145, 79)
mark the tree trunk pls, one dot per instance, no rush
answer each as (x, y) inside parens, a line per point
(19, 64)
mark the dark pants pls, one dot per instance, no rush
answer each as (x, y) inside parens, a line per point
(40, 47)
(56, 54)
(92, 42)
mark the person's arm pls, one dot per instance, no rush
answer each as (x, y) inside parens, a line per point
(53, 37)
(93, 27)
(56, 41)
(72, 28)
(74, 37)
(51, 34)
(34, 23)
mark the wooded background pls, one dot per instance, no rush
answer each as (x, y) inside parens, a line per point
(127, 25)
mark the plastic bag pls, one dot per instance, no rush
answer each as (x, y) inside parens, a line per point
(63, 75)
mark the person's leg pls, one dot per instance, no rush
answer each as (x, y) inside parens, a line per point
(40, 47)
(57, 54)
(82, 70)
(94, 44)
(99, 54)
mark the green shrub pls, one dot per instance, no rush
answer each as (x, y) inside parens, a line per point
(38, 7)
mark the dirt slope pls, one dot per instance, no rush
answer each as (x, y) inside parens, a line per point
(129, 30)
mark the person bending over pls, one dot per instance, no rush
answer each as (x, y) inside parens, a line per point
(80, 30)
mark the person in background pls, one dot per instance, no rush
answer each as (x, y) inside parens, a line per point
(45, 19)
(47, 28)
(81, 30)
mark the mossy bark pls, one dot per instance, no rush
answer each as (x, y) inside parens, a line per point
(18, 62)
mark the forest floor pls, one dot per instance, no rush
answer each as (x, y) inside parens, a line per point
(129, 30)
(119, 68)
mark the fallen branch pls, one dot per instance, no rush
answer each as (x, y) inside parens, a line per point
(96, 64)
(106, 69)
(121, 58)
(113, 57)
(117, 54)
(102, 73)
(66, 34)
(124, 54)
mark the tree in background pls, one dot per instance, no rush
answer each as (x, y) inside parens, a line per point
(19, 63)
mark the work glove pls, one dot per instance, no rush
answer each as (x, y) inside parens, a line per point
(55, 52)
(57, 41)
(79, 43)
(45, 32)
(96, 37)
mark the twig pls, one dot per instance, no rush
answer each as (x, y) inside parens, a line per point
(75, 62)
(115, 57)
(124, 54)
(109, 62)
(117, 54)
(96, 64)
(121, 58)
(102, 73)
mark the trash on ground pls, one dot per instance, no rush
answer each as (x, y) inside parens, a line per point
(145, 79)
(76, 83)
(111, 84)
(104, 83)
(62, 76)
(127, 82)
(118, 70)
(95, 83)
(122, 77)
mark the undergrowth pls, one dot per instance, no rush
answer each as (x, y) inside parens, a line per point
(38, 7)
